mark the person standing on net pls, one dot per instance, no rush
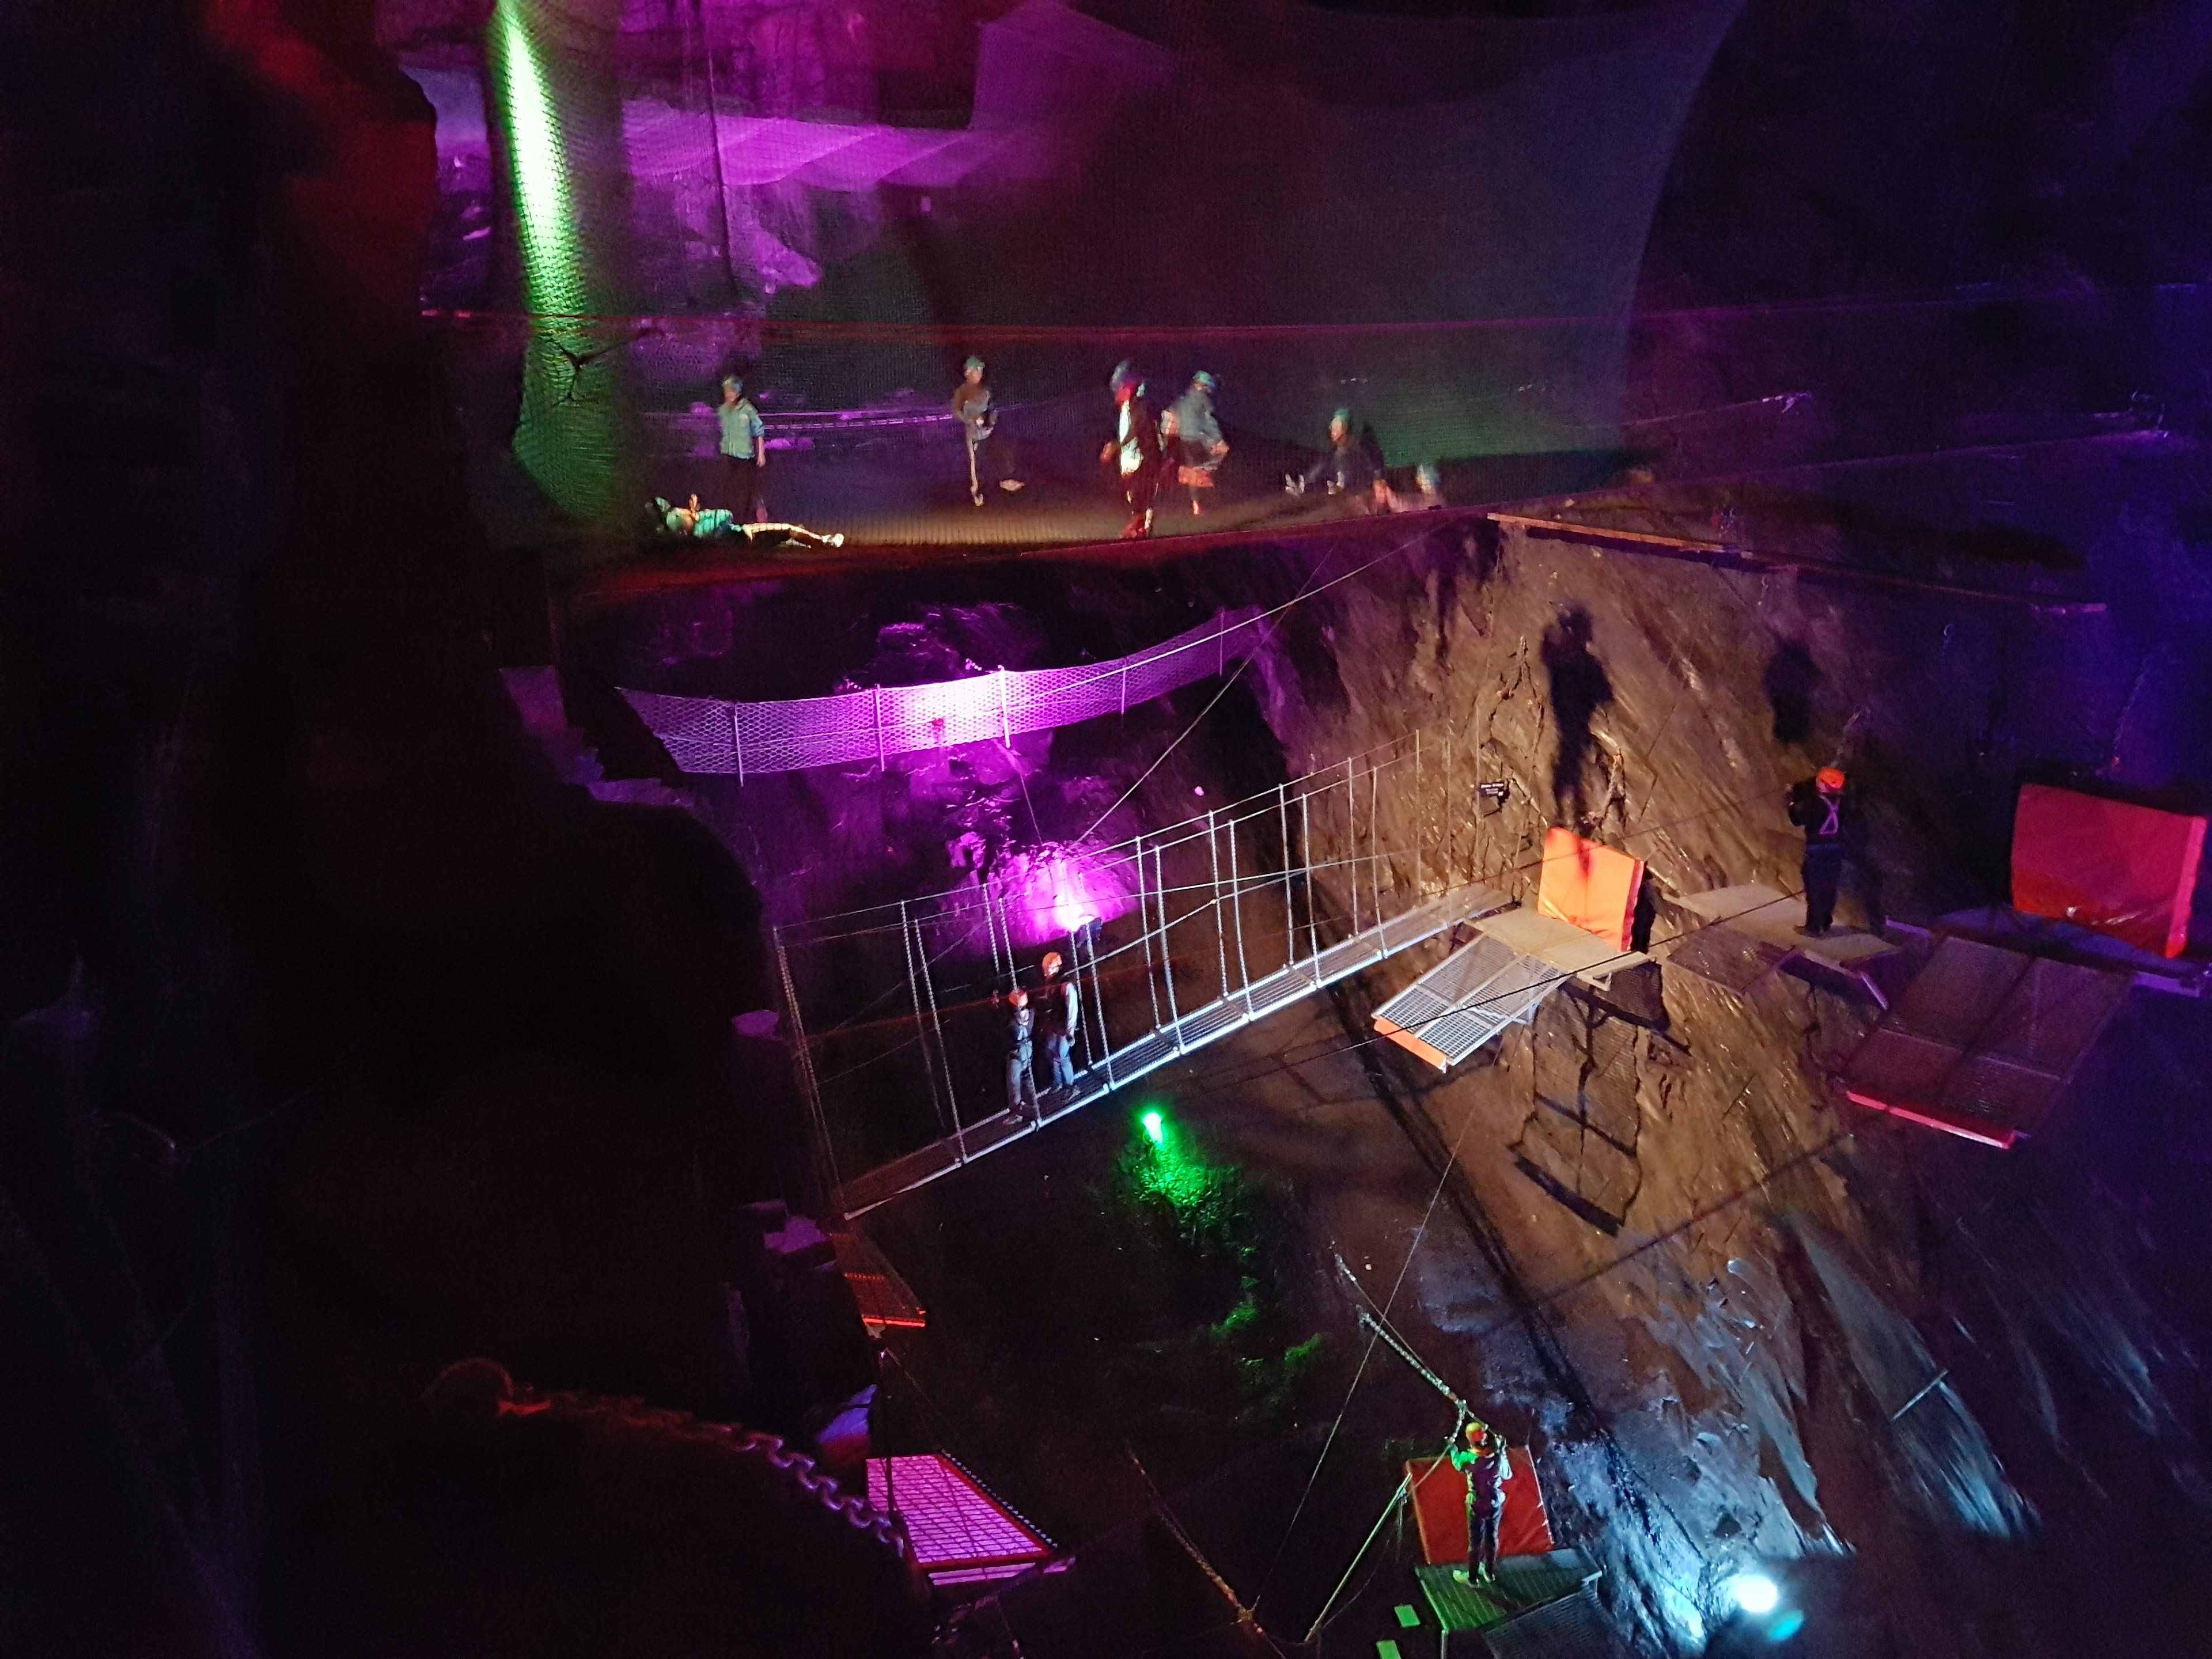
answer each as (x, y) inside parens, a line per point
(1200, 448)
(1134, 449)
(1065, 1017)
(744, 449)
(1021, 1059)
(979, 422)
(1827, 809)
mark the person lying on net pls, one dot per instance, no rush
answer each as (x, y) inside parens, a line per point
(719, 524)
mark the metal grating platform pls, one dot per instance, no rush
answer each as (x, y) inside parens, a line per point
(1747, 932)
(1467, 1000)
(1526, 1588)
(885, 1300)
(961, 1534)
(1983, 1042)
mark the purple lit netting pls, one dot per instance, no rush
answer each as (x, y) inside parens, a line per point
(708, 735)
(1288, 187)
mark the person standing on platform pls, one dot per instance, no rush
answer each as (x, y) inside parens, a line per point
(979, 423)
(1021, 1058)
(1134, 449)
(1827, 809)
(744, 449)
(1201, 449)
(1066, 1016)
(1478, 1451)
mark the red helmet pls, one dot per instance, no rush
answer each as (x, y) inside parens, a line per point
(1830, 778)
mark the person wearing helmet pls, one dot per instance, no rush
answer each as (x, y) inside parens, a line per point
(1134, 449)
(979, 421)
(1021, 1058)
(743, 447)
(1202, 449)
(1478, 1451)
(1064, 1017)
(1827, 808)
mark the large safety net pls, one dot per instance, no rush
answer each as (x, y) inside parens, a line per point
(1341, 212)
(709, 735)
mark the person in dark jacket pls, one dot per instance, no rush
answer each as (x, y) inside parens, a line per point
(1064, 1017)
(1021, 1059)
(1134, 449)
(1825, 808)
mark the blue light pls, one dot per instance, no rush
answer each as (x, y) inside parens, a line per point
(1787, 1626)
(1755, 1592)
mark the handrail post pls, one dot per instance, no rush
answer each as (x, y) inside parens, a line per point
(914, 995)
(1167, 950)
(1220, 930)
(1145, 933)
(1237, 913)
(1313, 916)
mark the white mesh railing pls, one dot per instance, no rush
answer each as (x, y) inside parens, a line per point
(709, 735)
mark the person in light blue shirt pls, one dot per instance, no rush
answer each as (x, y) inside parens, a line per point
(743, 447)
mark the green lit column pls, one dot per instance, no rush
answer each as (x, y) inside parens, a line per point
(559, 113)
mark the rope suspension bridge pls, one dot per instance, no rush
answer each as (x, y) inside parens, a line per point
(1175, 938)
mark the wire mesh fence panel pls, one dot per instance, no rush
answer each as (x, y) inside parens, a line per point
(709, 735)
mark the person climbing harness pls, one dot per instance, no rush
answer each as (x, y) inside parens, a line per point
(1021, 1057)
(1066, 1018)
(1478, 1451)
(1826, 808)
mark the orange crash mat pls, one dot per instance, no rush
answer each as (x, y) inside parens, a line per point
(1440, 1508)
(1590, 886)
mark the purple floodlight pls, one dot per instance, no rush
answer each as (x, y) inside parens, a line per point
(1056, 890)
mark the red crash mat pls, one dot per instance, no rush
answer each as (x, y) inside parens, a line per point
(1591, 887)
(1440, 1508)
(2123, 870)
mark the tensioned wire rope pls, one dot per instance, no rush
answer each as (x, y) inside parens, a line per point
(1265, 616)
(1278, 1065)
(1267, 879)
(1536, 1303)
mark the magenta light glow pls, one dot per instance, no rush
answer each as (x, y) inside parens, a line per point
(1052, 891)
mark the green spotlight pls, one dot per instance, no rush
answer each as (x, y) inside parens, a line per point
(1156, 1128)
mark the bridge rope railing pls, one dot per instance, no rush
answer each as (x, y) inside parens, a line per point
(1168, 934)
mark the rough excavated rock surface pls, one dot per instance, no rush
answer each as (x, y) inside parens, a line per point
(1802, 1327)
